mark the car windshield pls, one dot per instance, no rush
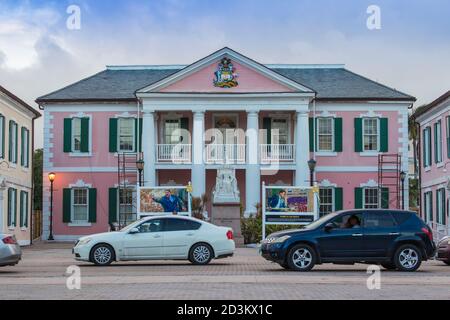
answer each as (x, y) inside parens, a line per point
(321, 221)
(132, 225)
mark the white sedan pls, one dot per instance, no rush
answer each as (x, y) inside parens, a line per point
(158, 238)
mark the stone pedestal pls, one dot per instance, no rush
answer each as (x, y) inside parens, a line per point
(229, 215)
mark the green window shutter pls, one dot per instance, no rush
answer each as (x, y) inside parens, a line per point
(338, 134)
(85, 135)
(10, 145)
(67, 205)
(16, 146)
(339, 199)
(22, 146)
(21, 209)
(184, 123)
(2, 119)
(384, 135)
(9, 207)
(267, 125)
(358, 198)
(424, 148)
(384, 198)
(67, 135)
(113, 126)
(448, 137)
(27, 208)
(93, 205)
(113, 205)
(358, 135)
(311, 135)
(435, 144)
(138, 135)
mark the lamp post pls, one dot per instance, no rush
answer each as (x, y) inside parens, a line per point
(51, 178)
(140, 166)
(402, 179)
(312, 167)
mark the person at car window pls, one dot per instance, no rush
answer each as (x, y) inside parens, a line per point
(170, 203)
(353, 222)
(279, 202)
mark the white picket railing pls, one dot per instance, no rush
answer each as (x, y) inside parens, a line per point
(439, 230)
(277, 153)
(225, 153)
(176, 153)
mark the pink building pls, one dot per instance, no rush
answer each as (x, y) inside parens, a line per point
(434, 156)
(180, 118)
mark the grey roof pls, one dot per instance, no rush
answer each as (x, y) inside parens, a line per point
(121, 85)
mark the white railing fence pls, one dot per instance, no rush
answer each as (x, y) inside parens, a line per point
(175, 153)
(277, 152)
(225, 153)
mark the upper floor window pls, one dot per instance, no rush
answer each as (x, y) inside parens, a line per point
(2, 137)
(76, 135)
(325, 129)
(427, 147)
(172, 134)
(13, 141)
(127, 134)
(280, 131)
(371, 134)
(447, 120)
(438, 142)
(25, 148)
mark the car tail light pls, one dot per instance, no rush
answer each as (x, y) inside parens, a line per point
(230, 235)
(9, 240)
(428, 232)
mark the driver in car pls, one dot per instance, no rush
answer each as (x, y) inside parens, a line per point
(353, 222)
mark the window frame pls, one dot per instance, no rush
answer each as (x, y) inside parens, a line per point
(119, 204)
(332, 134)
(133, 134)
(24, 209)
(333, 200)
(72, 138)
(438, 141)
(364, 198)
(364, 119)
(427, 147)
(2, 136)
(12, 206)
(13, 143)
(428, 206)
(72, 205)
(26, 147)
(165, 136)
(440, 206)
(287, 121)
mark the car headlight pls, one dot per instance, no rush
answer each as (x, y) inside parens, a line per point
(84, 242)
(281, 239)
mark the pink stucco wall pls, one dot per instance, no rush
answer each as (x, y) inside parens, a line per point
(249, 81)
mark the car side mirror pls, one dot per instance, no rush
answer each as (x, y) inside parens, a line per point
(134, 231)
(329, 227)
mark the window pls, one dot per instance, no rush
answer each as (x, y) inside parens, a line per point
(427, 147)
(326, 201)
(76, 135)
(172, 134)
(25, 147)
(175, 224)
(325, 134)
(448, 135)
(23, 209)
(440, 206)
(280, 131)
(2, 137)
(370, 134)
(127, 134)
(347, 221)
(371, 198)
(126, 214)
(151, 226)
(379, 220)
(428, 206)
(12, 207)
(12, 142)
(80, 208)
(438, 142)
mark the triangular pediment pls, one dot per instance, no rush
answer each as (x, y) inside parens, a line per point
(226, 71)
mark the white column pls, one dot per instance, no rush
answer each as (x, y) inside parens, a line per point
(149, 143)
(302, 149)
(198, 148)
(253, 171)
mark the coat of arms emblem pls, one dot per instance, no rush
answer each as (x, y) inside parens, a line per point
(226, 75)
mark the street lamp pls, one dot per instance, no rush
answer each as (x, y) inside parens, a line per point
(312, 167)
(402, 179)
(51, 178)
(140, 166)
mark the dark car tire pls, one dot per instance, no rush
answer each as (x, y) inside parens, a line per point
(201, 254)
(301, 258)
(408, 258)
(102, 255)
(447, 262)
(285, 266)
(389, 266)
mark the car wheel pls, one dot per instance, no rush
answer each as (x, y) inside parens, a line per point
(285, 266)
(201, 254)
(408, 258)
(102, 255)
(301, 258)
(389, 266)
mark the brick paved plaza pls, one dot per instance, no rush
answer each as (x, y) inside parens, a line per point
(42, 275)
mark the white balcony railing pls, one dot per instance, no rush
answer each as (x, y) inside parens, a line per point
(225, 153)
(174, 153)
(277, 153)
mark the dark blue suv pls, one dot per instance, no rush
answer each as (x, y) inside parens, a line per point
(395, 239)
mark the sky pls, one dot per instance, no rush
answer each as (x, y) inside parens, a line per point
(40, 54)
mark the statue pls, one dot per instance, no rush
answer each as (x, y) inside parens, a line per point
(226, 190)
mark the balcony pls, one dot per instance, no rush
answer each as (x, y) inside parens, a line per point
(279, 153)
(174, 153)
(225, 154)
